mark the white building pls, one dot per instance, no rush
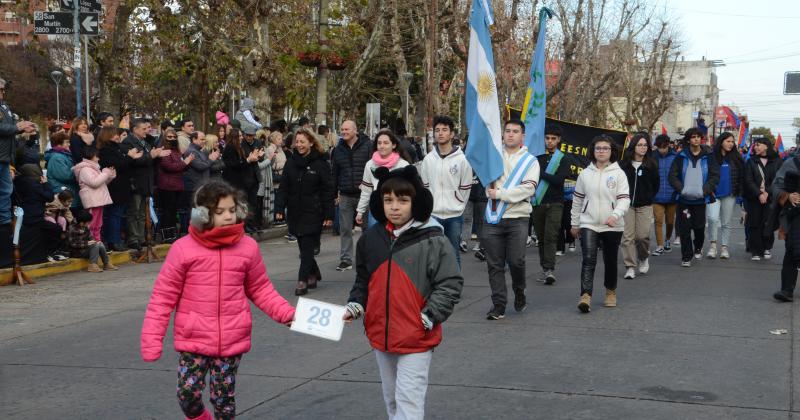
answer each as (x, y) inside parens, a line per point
(695, 90)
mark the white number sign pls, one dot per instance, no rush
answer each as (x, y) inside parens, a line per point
(319, 319)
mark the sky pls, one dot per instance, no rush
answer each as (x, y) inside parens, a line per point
(757, 44)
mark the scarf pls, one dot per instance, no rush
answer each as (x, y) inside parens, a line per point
(387, 162)
(218, 237)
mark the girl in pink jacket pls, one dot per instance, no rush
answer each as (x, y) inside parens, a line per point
(208, 279)
(94, 187)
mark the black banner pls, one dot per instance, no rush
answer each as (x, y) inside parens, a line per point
(576, 138)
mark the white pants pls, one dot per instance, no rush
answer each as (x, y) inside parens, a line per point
(404, 379)
(718, 215)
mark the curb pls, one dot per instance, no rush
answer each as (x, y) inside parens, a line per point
(72, 265)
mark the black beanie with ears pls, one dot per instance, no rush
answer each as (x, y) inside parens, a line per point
(421, 207)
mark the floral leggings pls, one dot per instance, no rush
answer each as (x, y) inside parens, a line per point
(192, 370)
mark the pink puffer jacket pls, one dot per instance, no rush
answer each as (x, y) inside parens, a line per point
(209, 289)
(94, 183)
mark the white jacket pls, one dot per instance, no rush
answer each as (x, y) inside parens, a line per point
(369, 182)
(600, 194)
(449, 178)
(519, 196)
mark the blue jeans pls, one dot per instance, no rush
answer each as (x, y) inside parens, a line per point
(452, 230)
(6, 188)
(112, 223)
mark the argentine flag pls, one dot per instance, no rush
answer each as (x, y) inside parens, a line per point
(485, 145)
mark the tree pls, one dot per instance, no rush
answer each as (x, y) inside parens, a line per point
(31, 91)
(762, 132)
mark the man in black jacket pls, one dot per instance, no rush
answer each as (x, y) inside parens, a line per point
(549, 200)
(9, 129)
(252, 145)
(142, 179)
(349, 158)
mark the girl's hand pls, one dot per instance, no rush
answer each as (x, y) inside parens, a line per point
(278, 216)
(359, 219)
(612, 221)
(576, 233)
(327, 223)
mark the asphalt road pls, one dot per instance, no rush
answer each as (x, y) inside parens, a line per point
(684, 343)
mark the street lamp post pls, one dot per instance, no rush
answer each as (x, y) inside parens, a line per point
(56, 76)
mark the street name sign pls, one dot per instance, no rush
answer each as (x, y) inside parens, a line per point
(89, 6)
(60, 23)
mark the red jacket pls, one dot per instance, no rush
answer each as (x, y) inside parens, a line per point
(210, 289)
(399, 279)
(170, 172)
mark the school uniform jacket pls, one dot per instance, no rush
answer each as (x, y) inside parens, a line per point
(449, 179)
(599, 194)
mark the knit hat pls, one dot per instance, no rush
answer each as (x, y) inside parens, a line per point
(222, 118)
(422, 205)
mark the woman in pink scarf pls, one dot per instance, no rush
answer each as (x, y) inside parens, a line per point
(388, 153)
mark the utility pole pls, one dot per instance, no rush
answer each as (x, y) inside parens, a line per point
(86, 57)
(76, 44)
(321, 115)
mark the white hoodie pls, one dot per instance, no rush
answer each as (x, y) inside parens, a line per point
(449, 179)
(600, 194)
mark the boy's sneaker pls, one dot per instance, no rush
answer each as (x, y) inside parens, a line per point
(344, 266)
(644, 266)
(572, 247)
(60, 257)
(291, 238)
(559, 253)
(477, 247)
(723, 254)
(667, 247)
(549, 277)
(463, 247)
(498, 312)
(520, 303)
(686, 263)
(677, 242)
(529, 242)
(755, 258)
(630, 273)
(698, 254)
(767, 254)
(51, 258)
(480, 254)
(783, 296)
(658, 252)
(712, 252)
(474, 236)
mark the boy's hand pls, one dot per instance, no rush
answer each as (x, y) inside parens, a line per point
(352, 311)
(426, 322)
(327, 223)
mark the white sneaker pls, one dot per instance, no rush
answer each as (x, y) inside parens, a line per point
(474, 236)
(559, 253)
(698, 255)
(723, 254)
(676, 242)
(755, 258)
(529, 242)
(686, 263)
(476, 248)
(630, 273)
(571, 247)
(712, 252)
(644, 266)
(767, 254)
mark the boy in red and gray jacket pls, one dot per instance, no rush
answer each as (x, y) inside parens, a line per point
(407, 283)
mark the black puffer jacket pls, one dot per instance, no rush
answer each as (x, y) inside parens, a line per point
(32, 196)
(238, 171)
(643, 183)
(112, 156)
(348, 165)
(306, 193)
(142, 176)
(753, 178)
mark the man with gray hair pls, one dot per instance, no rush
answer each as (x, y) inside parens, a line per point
(349, 158)
(10, 127)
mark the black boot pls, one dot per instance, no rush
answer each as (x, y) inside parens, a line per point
(169, 235)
